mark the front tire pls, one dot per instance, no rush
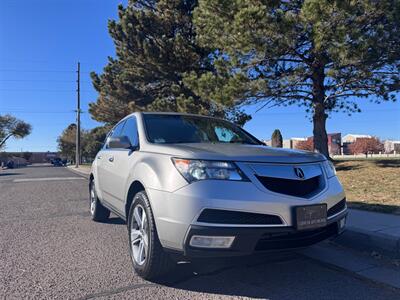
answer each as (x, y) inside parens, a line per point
(148, 257)
(97, 211)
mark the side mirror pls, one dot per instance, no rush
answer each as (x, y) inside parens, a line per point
(120, 142)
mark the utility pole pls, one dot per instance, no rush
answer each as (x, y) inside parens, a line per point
(78, 120)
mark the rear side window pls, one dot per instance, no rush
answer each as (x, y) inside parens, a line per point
(130, 130)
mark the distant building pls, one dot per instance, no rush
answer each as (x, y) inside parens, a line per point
(294, 141)
(391, 146)
(350, 138)
(267, 142)
(286, 143)
(335, 143)
(35, 157)
(43, 157)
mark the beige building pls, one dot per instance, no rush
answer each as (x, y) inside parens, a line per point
(391, 146)
(351, 138)
(287, 143)
(294, 141)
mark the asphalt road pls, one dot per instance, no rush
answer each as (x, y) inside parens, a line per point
(49, 248)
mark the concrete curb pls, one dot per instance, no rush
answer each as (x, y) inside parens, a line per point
(362, 266)
(364, 240)
(79, 171)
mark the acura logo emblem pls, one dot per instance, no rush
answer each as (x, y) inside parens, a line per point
(299, 173)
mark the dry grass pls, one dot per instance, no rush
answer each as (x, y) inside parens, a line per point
(372, 184)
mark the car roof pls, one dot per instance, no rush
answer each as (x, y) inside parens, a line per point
(171, 113)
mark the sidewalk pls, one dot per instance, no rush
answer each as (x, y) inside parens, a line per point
(371, 231)
(81, 170)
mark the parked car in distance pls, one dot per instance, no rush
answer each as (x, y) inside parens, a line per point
(57, 162)
(10, 164)
(194, 186)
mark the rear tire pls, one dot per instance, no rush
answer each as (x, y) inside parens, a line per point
(97, 211)
(148, 257)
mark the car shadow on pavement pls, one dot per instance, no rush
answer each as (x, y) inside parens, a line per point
(213, 275)
(114, 221)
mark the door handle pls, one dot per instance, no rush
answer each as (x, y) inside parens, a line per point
(111, 159)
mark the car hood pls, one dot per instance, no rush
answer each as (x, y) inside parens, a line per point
(236, 152)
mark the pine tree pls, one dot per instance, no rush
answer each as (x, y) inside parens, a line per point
(156, 46)
(326, 55)
(276, 139)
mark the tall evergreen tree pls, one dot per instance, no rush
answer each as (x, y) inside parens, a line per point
(322, 54)
(155, 44)
(276, 139)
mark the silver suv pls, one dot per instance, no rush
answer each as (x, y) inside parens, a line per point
(195, 186)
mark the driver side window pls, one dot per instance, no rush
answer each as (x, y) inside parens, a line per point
(130, 130)
(117, 131)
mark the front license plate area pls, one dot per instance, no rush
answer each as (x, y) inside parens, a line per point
(311, 216)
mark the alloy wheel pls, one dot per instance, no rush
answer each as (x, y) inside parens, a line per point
(139, 235)
(92, 200)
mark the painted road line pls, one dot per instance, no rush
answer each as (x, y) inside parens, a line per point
(48, 179)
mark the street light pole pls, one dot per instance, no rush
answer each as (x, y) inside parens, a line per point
(78, 120)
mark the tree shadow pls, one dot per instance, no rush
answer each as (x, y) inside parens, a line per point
(342, 166)
(388, 163)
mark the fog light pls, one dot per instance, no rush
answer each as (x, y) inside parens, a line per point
(203, 241)
(342, 223)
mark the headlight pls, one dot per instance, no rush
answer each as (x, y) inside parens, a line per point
(329, 168)
(193, 170)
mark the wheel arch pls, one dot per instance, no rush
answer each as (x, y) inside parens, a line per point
(135, 187)
(91, 178)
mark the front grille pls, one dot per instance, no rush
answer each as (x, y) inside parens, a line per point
(274, 241)
(299, 188)
(337, 208)
(219, 216)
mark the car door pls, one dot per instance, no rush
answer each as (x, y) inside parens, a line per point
(121, 164)
(105, 168)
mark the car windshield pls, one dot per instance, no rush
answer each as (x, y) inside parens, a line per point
(171, 129)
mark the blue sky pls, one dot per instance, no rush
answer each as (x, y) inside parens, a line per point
(41, 42)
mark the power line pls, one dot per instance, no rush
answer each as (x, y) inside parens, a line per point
(39, 71)
(41, 90)
(38, 112)
(40, 80)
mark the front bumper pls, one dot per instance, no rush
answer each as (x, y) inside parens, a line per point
(257, 240)
(176, 212)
